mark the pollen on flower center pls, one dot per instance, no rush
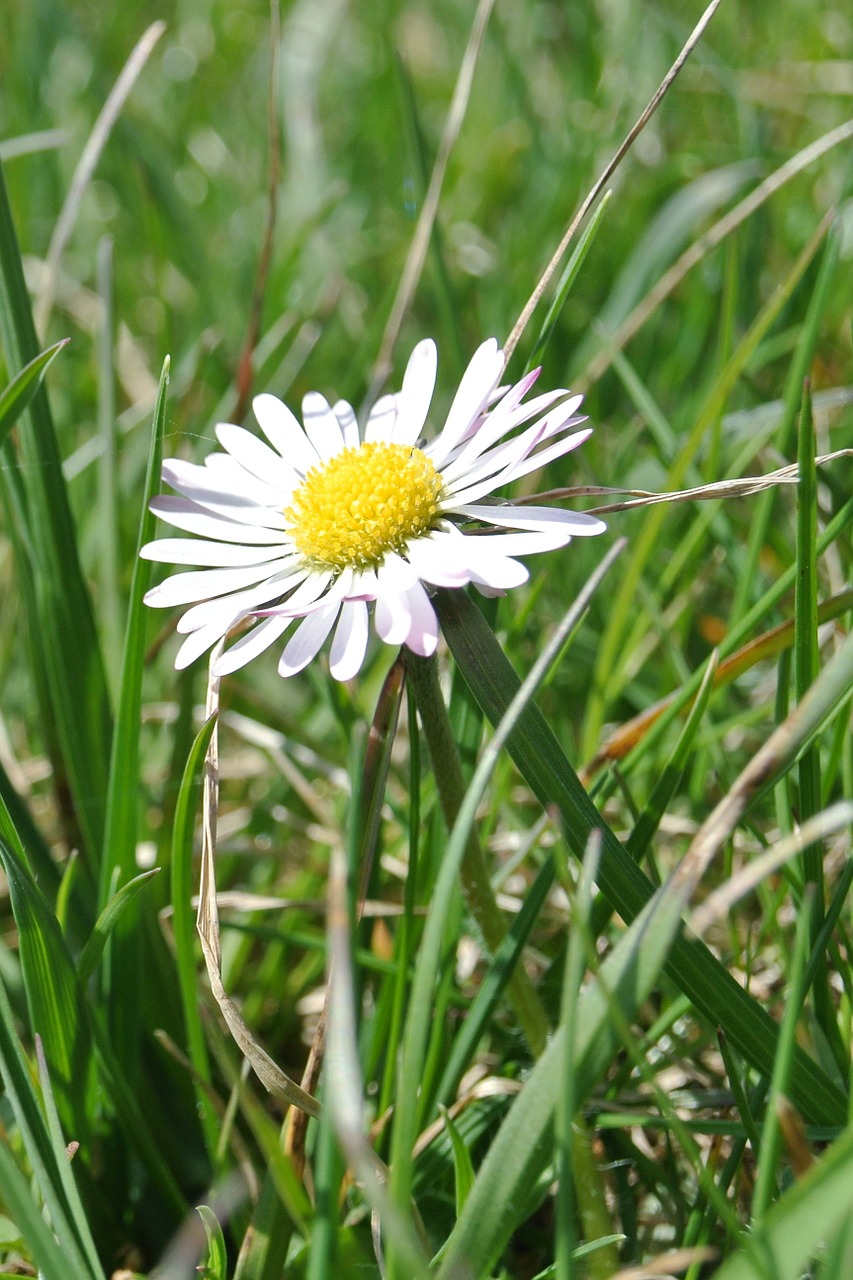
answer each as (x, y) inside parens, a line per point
(363, 503)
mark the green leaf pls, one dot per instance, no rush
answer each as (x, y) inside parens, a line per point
(106, 922)
(462, 1164)
(542, 762)
(20, 391)
(215, 1264)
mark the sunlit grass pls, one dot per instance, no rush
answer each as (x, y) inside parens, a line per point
(688, 1095)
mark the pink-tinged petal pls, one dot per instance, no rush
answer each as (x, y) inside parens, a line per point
(185, 514)
(529, 543)
(538, 460)
(500, 423)
(250, 646)
(350, 643)
(186, 588)
(321, 426)
(484, 476)
(241, 603)
(256, 457)
(307, 640)
(478, 383)
(285, 433)
(382, 420)
(423, 627)
(416, 396)
(576, 523)
(345, 415)
(198, 552)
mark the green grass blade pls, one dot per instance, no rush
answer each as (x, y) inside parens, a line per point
(123, 795)
(67, 659)
(40, 1149)
(494, 984)
(524, 1145)
(825, 285)
(771, 1136)
(806, 667)
(800, 1222)
(63, 1164)
(215, 1264)
(55, 1260)
(567, 279)
(52, 993)
(106, 922)
(183, 924)
(20, 391)
(126, 971)
(670, 776)
(542, 763)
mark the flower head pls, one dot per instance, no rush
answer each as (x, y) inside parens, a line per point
(306, 531)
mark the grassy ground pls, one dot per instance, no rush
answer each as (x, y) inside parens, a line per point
(647, 1088)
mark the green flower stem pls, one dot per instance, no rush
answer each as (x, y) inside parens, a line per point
(476, 885)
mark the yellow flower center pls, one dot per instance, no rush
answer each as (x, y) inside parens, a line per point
(363, 503)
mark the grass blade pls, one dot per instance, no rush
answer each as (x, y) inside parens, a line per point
(543, 764)
(22, 388)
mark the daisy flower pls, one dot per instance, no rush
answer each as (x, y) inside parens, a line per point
(307, 531)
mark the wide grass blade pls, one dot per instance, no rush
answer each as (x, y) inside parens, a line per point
(67, 664)
(126, 971)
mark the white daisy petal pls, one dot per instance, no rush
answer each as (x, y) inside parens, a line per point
(185, 514)
(350, 643)
(198, 642)
(241, 603)
(437, 563)
(307, 640)
(186, 588)
(414, 399)
(478, 382)
(284, 432)
(576, 523)
(254, 566)
(423, 625)
(345, 415)
(391, 618)
(321, 426)
(499, 572)
(196, 551)
(234, 494)
(381, 420)
(256, 457)
(250, 646)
